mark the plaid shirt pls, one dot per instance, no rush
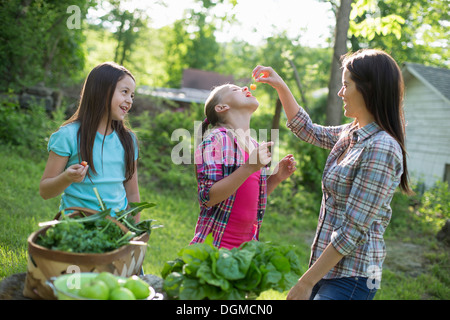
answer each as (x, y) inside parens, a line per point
(218, 156)
(357, 193)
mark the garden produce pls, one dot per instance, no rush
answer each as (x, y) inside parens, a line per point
(253, 86)
(109, 279)
(138, 287)
(201, 271)
(106, 286)
(122, 294)
(95, 289)
(95, 233)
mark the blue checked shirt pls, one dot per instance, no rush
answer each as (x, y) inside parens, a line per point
(357, 193)
(216, 157)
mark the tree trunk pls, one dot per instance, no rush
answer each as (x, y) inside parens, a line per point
(334, 102)
(119, 35)
(277, 115)
(275, 125)
(299, 85)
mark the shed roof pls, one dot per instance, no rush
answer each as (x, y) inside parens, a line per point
(196, 86)
(182, 95)
(204, 80)
(437, 79)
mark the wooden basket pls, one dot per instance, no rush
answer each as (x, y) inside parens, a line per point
(44, 263)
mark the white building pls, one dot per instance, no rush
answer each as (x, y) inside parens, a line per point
(427, 111)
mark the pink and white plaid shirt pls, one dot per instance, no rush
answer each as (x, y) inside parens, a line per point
(218, 156)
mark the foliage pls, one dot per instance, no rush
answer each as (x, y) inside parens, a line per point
(158, 136)
(202, 271)
(435, 206)
(424, 212)
(36, 44)
(371, 26)
(192, 43)
(417, 30)
(130, 27)
(28, 128)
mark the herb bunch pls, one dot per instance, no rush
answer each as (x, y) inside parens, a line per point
(95, 233)
(99, 236)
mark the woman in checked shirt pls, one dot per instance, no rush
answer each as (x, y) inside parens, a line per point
(366, 164)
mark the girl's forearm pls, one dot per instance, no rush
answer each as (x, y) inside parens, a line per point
(132, 192)
(225, 187)
(53, 187)
(272, 182)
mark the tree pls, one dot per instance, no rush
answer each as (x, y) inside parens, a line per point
(175, 50)
(129, 26)
(36, 44)
(192, 42)
(414, 31)
(334, 102)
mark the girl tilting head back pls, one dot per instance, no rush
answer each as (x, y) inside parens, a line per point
(232, 184)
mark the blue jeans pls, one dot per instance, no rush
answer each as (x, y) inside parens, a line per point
(350, 288)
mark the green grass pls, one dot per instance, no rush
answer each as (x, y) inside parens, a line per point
(21, 209)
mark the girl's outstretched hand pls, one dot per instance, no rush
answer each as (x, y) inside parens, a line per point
(285, 168)
(267, 75)
(76, 172)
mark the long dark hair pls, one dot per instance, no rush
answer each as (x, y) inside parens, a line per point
(95, 102)
(379, 79)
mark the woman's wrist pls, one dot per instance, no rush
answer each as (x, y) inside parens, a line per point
(327, 260)
(307, 279)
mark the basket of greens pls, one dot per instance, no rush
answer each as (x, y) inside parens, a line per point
(86, 241)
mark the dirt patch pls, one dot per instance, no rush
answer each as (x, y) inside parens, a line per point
(405, 257)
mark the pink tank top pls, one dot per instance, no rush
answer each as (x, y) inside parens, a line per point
(242, 222)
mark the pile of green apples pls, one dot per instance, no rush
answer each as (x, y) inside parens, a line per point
(106, 286)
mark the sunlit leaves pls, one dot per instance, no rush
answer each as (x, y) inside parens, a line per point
(373, 23)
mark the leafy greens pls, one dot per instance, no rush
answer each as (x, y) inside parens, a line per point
(95, 233)
(202, 271)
